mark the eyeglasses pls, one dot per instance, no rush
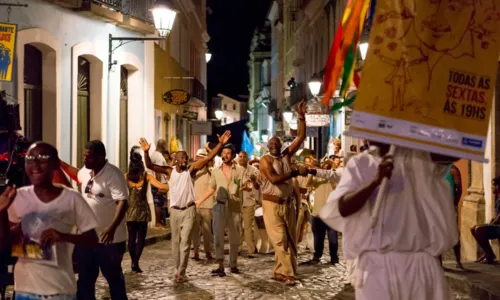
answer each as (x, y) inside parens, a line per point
(41, 158)
(88, 188)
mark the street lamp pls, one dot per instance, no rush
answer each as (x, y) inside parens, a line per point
(208, 56)
(315, 84)
(164, 16)
(219, 114)
(363, 49)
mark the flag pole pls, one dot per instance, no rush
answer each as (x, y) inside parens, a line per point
(381, 193)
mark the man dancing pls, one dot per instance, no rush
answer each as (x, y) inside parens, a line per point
(182, 200)
(279, 209)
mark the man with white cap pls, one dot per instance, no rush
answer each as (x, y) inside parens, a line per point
(204, 217)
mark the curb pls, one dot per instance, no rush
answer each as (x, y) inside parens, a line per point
(158, 238)
(470, 288)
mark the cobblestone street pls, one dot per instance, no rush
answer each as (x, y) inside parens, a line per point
(318, 282)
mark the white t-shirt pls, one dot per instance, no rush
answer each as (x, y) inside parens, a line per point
(181, 189)
(158, 159)
(67, 211)
(109, 187)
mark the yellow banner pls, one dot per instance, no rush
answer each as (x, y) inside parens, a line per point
(8, 33)
(429, 78)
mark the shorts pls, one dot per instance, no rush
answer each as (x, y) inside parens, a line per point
(158, 199)
(493, 232)
(29, 296)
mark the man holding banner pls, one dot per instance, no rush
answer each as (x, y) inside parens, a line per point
(427, 87)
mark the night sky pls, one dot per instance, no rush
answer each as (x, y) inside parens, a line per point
(231, 25)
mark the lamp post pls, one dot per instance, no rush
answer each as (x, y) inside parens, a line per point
(208, 56)
(164, 16)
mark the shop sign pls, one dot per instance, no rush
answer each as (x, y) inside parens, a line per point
(317, 120)
(190, 115)
(176, 97)
(201, 128)
(8, 33)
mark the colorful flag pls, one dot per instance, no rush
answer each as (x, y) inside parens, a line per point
(246, 144)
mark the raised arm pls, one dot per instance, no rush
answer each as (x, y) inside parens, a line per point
(156, 183)
(329, 175)
(301, 135)
(6, 199)
(352, 202)
(158, 169)
(223, 139)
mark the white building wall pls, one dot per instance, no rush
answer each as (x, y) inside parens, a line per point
(68, 35)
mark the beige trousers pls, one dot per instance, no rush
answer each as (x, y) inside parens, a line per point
(281, 227)
(203, 223)
(181, 222)
(223, 217)
(248, 216)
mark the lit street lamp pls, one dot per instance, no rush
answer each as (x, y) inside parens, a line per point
(164, 16)
(363, 49)
(315, 84)
(208, 56)
(219, 114)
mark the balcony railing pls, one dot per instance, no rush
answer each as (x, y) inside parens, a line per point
(113, 4)
(198, 90)
(138, 9)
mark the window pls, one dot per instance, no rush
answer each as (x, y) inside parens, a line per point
(234, 106)
(225, 106)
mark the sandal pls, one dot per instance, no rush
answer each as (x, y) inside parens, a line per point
(278, 277)
(290, 281)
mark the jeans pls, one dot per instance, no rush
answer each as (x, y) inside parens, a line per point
(319, 229)
(107, 258)
(28, 296)
(136, 240)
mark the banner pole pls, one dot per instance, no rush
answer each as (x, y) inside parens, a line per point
(381, 193)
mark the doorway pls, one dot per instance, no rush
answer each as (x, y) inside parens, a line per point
(33, 112)
(83, 98)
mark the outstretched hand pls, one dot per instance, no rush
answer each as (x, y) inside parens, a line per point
(7, 197)
(223, 139)
(144, 144)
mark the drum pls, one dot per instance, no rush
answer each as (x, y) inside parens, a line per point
(259, 218)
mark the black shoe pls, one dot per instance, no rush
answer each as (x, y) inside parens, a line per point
(334, 262)
(136, 268)
(218, 272)
(311, 262)
(235, 271)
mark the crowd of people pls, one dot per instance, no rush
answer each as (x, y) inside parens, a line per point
(266, 204)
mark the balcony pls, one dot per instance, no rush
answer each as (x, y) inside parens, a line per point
(131, 14)
(198, 90)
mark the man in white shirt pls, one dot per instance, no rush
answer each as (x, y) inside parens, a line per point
(397, 259)
(105, 189)
(182, 200)
(47, 215)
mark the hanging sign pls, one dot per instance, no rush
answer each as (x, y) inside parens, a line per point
(201, 128)
(176, 97)
(190, 115)
(429, 76)
(8, 33)
(317, 120)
